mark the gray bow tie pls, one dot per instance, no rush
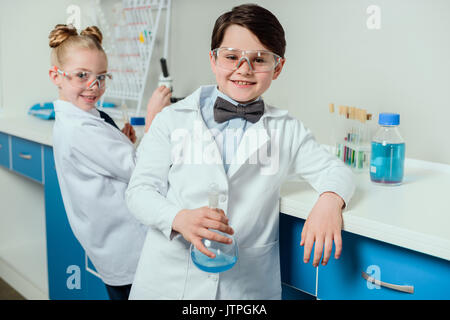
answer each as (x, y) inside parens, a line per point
(224, 110)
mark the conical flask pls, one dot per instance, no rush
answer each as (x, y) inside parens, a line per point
(226, 254)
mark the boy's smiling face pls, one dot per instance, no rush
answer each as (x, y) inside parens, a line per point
(243, 85)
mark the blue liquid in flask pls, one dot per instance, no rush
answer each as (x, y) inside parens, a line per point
(222, 262)
(387, 162)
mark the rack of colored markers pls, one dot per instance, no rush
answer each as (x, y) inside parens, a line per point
(352, 131)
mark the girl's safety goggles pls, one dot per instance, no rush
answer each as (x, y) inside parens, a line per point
(258, 60)
(85, 79)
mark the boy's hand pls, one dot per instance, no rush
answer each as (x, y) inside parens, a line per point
(128, 130)
(323, 226)
(159, 99)
(194, 225)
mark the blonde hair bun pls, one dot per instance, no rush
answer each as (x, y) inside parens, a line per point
(61, 33)
(94, 33)
(64, 38)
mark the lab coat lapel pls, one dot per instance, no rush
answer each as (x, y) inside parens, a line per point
(255, 138)
(205, 144)
(200, 144)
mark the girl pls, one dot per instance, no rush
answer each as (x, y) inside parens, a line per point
(94, 160)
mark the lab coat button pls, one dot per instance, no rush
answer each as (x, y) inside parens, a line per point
(213, 277)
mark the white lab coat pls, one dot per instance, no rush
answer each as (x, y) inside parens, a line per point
(162, 185)
(94, 162)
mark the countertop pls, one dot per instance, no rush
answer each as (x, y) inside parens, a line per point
(31, 128)
(27, 127)
(414, 215)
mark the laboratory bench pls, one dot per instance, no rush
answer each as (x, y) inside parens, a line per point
(396, 240)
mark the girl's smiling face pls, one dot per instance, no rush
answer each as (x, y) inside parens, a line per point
(243, 85)
(81, 59)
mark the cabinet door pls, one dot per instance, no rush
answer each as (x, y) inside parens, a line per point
(65, 256)
(64, 253)
(4, 150)
(27, 158)
(428, 276)
(294, 271)
(290, 293)
(68, 265)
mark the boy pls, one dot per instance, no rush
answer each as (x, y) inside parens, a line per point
(228, 136)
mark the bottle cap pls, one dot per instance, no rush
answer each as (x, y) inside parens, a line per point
(137, 121)
(389, 119)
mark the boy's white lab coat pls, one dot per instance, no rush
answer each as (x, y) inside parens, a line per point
(94, 162)
(169, 176)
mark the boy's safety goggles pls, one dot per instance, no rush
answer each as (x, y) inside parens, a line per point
(85, 79)
(258, 60)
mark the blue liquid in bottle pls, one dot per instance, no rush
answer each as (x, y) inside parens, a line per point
(222, 262)
(387, 163)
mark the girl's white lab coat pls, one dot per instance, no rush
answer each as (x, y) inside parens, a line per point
(168, 178)
(94, 162)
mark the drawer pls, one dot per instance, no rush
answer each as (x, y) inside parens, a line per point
(27, 158)
(342, 279)
(4, 150)
(294, 272)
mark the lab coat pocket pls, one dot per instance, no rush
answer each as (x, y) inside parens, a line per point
(259, 268)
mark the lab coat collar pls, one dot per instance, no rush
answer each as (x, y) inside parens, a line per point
(192, 102)
(70, 109)
(247, 147)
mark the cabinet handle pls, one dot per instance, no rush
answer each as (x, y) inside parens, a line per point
(25, 156)
(407, 289)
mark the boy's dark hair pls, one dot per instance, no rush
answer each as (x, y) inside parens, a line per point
(261, 22)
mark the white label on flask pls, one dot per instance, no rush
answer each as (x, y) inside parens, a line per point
(373, 169)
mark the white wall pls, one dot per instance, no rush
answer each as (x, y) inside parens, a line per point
(331, 57)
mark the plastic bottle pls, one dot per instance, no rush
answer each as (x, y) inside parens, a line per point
(138, 124)
(388, 151)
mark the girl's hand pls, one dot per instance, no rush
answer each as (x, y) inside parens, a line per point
(323, 226)
(128, 130)
(194, 225)
(159, 99)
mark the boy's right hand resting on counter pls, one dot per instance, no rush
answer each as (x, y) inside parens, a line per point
(194, 224)
(159, 99)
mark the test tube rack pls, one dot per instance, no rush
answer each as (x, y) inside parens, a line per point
(129, 42)
(352, 130)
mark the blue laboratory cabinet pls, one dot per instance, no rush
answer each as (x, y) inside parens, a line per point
(70, 273)
(294, 272)
(406, 274)
(4, 150)
(391, 272)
